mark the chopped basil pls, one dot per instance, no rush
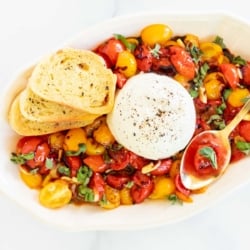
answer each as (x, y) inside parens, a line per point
(128, 45)
(219, 40)
(156, 51)
(200, 75)
(195, 53)
(226, 93)
(243, 146)
(220, 109)
(81, 149)
(209, 153)
(239, 60)
(49, 163)
(83, 175)
(21, 158)
(64, 170)
(174, 199)
(129, 184)
(217, 121)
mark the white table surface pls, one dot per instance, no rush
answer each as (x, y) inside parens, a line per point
(28, 29)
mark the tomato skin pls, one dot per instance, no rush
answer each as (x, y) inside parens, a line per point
(28, 144)
(137, 161)
(182, 62)
(246, 74)
(117, 181)
(163, 168)
(97, 183)
(142, 188)
(74, 162)
(244, 130)
(111, 48)
(143, 58)
(120, 159)
(180, 187)
(121, 79)
(230, 73)
(96, 163)
(236, 154)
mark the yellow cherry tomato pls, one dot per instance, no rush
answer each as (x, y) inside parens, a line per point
(56, 140)
(32, 180)
(93, 147)
(237, 96)
(163, 187)
(125, 195)
(175, 169)
(213, 89)
(112, 198)
(55, 194)
(73, 138)
(126, 63)
(191, 39)
(211, 52)
(103, 135)
(156, 34)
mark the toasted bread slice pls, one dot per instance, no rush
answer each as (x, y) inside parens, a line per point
(75, 78)
(36, 108)
(26, 127)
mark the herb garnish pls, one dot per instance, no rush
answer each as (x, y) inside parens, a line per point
(128, 45)
(21, 158)
(209, 153)
(243, 146)
(82, 149)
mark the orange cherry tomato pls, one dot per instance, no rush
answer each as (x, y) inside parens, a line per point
(96, 163)
(182, 62)
(244, 130)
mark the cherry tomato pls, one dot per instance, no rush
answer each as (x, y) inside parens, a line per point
(244, 130)
(120, 159)
(142, 188)
(74, 162)
(137, 161)
(55, 194)
(156, 33)
(182, 62)
(246, 74)
(111, 49)
(180, 187)
(230, 73)
(236, 154)
(97, 184)
(28, 144)
(163, 167)
(121, 79)
(117, 180)
(143, 58)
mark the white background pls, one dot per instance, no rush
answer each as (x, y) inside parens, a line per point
(29, 29)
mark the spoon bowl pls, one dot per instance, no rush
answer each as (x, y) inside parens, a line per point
(208, 154)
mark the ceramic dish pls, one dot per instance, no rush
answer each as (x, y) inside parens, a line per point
(236, 34)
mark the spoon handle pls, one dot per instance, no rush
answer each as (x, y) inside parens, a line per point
(236, 120)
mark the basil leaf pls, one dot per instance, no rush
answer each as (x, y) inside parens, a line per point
(174, 199)
(239, 60)
(128, 45)
(49, 163)
(21, 158)
(219, 40)
(209, 153)
(81, 149)
(64, 170)
(243, 146)
(156, 51)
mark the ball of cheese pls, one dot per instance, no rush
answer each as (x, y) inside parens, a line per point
(153, 116)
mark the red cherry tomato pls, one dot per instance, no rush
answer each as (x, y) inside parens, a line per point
(230, 73)
(111, 48)
(142, 188)
(236, 154)
(74, 162)
(163, 168)
(117, 181)
(144, 58)
(244, 130)
(137, 161)
(28, 144)
(182, 62)
(180, 187)
(120, 79)
(120, 159)
(97, 184)
(246, 74)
